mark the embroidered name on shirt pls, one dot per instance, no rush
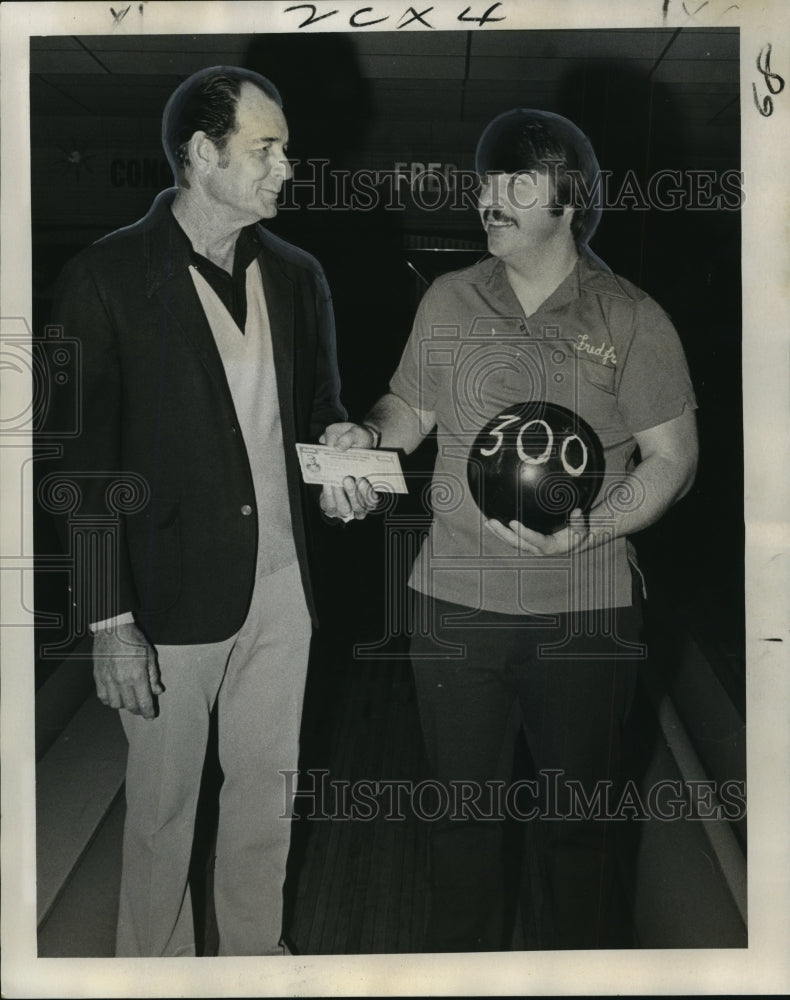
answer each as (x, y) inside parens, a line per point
(604, 352)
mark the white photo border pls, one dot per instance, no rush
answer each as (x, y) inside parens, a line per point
(764, 966)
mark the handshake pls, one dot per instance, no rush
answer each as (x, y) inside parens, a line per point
(352, 484)
(355, 497)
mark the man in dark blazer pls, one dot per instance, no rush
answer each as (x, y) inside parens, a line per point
(208, 351)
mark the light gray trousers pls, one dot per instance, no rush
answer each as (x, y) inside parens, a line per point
(257, 678)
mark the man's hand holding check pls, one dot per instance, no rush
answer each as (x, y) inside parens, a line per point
(350, 481)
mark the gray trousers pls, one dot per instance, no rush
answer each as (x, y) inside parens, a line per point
(257, 679)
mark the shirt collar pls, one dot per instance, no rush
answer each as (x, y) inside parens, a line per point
(247, 247)
(588, 271)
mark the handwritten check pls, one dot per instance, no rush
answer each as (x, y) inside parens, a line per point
(324, 465)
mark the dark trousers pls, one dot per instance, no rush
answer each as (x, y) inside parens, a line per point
(569, 681)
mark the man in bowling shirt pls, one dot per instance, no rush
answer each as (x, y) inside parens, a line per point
(208, 351)
(543, 629)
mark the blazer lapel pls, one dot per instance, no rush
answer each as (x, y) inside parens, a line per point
(170, 282)
(279, 293)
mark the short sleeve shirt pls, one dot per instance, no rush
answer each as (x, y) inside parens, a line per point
(598, 346)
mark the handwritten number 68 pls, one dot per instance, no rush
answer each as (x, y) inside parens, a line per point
(773, 82)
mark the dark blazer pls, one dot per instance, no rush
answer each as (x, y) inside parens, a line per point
(160, 459)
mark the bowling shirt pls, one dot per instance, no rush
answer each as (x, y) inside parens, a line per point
(597, 345)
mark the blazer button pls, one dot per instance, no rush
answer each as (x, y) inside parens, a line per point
(246, 510)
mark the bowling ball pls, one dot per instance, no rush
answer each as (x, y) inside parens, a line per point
(534, 463)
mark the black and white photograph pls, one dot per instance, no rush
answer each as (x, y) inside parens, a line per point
(394, 575)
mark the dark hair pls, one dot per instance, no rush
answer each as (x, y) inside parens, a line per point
(206, 102)
(525, 139)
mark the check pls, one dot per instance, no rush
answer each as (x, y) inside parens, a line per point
(324, 465)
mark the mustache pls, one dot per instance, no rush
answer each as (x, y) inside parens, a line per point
(496, 215)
